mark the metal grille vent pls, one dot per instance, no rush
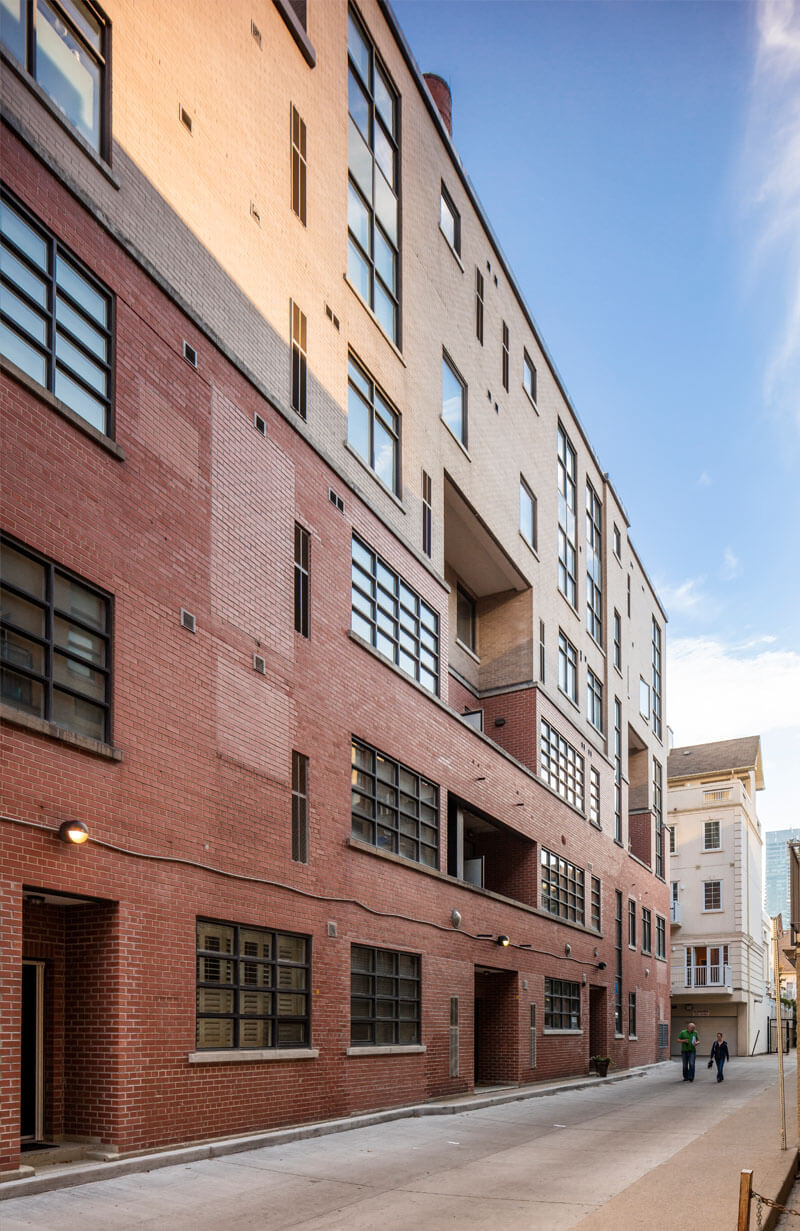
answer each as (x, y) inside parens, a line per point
(259, 424)
(259, 664)
(188, 621)
(190, 354)
(336, 499)
(332, 929)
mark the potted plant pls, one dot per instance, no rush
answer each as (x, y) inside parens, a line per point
(602, 1064)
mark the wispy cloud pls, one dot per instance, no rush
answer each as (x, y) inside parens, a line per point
(687, 598)
(718, 691)
(704, 479)
(773, 167)
(731, 567)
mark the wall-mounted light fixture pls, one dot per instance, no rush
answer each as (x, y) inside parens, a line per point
(35, 899)
(568, 949)
(602, 965)
(503, 941)
(74, 833)
(455, 918)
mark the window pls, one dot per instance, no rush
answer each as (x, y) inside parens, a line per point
(661, 936)
(618, 970)
(527, 514)
(506, 358)
(373, 426)
(595, 903)
(671, 839)
(562, 766)
(454, 401)
(450, 221)
(299, 808)
(529, 376)
(479, 305)
(394, 808)
(299, 360)
(373, 181)
(631, 923)
(617, 640)
(711, 836)
(567, 550)
(567, 667)
(562, 887)
(644, 698)
(542, 656)
(427, 515)
(594, 700)
(465, 619)
(56, 319)
(629, 595)
(301, 575)
(594, 796)
(252, 987)
(656, 680)
(658, 813)
(712, 895)
(384, 997)
(299, 166)
(392, 617)
(562, 1005)
(632, 1014)
(55, 644)
(617, 770)
(647, 930)
(617, 541)
(65, 48)
(594, 565)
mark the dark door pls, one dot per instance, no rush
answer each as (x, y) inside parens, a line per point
(31, 1052)
(477, 1049)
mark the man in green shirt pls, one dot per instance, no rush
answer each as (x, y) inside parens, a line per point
(688, 1040)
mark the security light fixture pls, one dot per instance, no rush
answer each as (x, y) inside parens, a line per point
(455, 918)
(74, 833)
(602, 965)
(503, 941)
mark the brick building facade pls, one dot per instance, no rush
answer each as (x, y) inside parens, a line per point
(318, 610)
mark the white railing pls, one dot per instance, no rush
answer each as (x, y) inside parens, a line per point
(708, 976)
(674, 912)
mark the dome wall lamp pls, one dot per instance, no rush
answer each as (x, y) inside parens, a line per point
(74, 833)
(503, 941)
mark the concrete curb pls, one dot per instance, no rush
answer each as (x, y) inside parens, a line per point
(74, 1174)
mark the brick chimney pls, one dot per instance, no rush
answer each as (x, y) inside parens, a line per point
(440, 92)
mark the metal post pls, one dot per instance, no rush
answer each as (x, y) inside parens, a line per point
(779, 1023)
(745, 1184)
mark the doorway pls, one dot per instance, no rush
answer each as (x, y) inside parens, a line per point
(598, 1026)
(32, 1053)
(496, 1026)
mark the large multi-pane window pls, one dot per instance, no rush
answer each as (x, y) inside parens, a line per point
(594, 700)
(55, 643)
(299, 807)
(302, 541)
(373, 181)
(661, 936)
(658, 813)
(55, 317)
(64, 45)
(392, 617)
(712, 895)
(373, 426)
(562, 887)
(567, 548)
(617, 770)
(252, 987)
(562, 1005)
(594, 564)
(384, 997)
(567, 667)
(393, 807)
(656, 680)
(454, 401)
(711, 836)
(562, 768)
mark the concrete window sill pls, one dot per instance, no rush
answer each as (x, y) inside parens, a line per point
(254, 1056)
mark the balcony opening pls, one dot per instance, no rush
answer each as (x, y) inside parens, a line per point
(486, 853)
(640, 818)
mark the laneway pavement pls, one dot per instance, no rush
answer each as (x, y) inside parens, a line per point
(649, 1152)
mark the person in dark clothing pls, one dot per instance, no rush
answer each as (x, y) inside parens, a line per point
(719, 1053)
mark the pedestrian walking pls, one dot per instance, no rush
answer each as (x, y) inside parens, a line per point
(719, 1053)
(688, 1040)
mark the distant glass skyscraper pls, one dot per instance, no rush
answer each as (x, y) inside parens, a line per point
(777, 871)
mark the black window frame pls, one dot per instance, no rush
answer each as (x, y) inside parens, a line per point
(594, 564)
(462, 435)
(567, 667)
(302, 577)
(398, 618)
(298, 138)
(661, 937)
(647, 930)
(632, 1015)
(505, 372)
(617, 640)
(427, 514)
(656, 680)
(567, 487)
(365, 394)
(386, 813)
(382, 989)
(563, 887)
(632, 923)
(100, 56)
(54, 323)
(562, 767)
(300, 765)
(594, 700)
(480, 305)
(529, 377)
(562, 1004)
(466, 619)
(48, 645)
(525, 492)
(240, 984)
(299, 373)
(448, 205)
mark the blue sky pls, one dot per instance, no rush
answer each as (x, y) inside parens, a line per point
(640, 164)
